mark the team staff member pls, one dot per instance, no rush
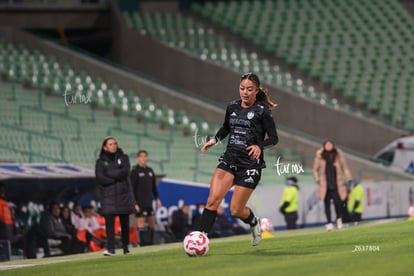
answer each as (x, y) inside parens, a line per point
(145, 189)
(112, 174)
(289, 202)
(356, 201)
(247, 122)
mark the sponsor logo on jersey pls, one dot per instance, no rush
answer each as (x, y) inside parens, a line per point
(250, 115)
(233, 114)
(141, 174)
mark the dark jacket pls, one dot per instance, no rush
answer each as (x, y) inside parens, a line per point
(112, 174)
(144, 186)
(52, 227)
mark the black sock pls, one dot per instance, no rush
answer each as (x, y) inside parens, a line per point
(151, 241)
(207, 220)
(251, 219)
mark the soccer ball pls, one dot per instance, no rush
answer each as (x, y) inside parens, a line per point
(266, 225)
(196, 243)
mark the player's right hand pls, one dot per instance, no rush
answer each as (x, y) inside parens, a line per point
(208, 145)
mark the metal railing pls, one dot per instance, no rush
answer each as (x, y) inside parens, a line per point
(50, 115)
(31, 152)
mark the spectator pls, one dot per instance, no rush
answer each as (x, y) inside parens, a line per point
(76, 215)
(224, 227)
(18, 228)
(112, 174)
(356, 201)
(77, 245)
(196, 220)
(6, 220)
(90, 230)
(51, 227)
(179, 222)
(329, 168)
(289, 202)
(145, 190)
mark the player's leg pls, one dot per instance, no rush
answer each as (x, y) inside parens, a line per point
(151, 225)
(246, 181)
(239, 210)
(140, 222)
(221, 183)
(141, 228)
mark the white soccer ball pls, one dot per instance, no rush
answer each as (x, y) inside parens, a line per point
(266, 225)
(196, 243)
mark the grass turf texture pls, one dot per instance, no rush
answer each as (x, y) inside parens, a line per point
(301, 252)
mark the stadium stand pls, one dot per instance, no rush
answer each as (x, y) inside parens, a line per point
(180, 31)
(40, 129)
(364, 51)
(36, 81)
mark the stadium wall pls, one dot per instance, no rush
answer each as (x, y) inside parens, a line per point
(381, 200)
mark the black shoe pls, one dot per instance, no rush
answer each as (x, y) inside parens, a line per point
(126, 251)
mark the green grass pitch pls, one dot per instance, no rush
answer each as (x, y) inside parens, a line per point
(371, 248)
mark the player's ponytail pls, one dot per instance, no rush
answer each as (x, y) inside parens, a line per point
(263, 95)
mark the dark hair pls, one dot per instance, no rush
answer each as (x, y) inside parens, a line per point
(263, 94)
(292, 178)
(142, 151)
(104, 144)
(86, 207)
(329, 156)
(52, 204)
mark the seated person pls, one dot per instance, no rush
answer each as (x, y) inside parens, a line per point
(51, 227)
(76, 215)
(78, 246)
(90, 230)
(224, 227)
(179, 222)
(197, 216)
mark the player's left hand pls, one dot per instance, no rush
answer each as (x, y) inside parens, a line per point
(254, 151)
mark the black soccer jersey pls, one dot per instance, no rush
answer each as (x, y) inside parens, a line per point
(143, 185)
(245, 127)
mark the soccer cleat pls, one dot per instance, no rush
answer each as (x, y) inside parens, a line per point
(126, 251)
(108, 253)
(256, 232)
(329, 227)
(339, 224)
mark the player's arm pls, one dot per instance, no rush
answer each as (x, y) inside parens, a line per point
(155, 190)
(270, 128)
(220, 135)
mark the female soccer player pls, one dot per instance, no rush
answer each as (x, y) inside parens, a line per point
(247, 122)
